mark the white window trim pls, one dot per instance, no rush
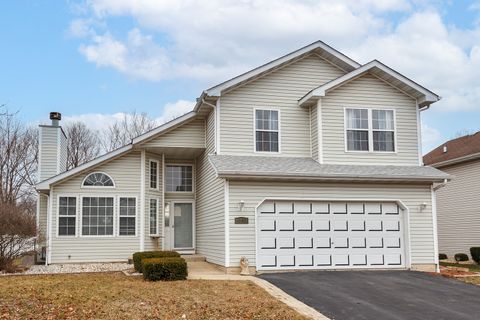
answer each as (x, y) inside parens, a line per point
(115, 214)
(117, 207)
(255, 131)
(98, 187)
(150, 174)
(150, 221)
(370, 130)
(180, 165)
(77, 213)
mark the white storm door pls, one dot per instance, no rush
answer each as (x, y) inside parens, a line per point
(182, 217)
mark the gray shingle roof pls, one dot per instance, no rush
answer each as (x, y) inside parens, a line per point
(307, 168)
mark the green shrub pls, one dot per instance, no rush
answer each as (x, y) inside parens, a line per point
(475, 252)
(139, 256)
(166, 269)
(461, 257)
(442, 256)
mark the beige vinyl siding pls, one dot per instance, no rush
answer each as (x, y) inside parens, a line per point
(242, 237)
(458, 209)
(210, 205)
(370, 92)
(153, 243)
(126, 172)
(190, 134)
(42, 218)
(314, 132)
(49, 151)
(280, 89)
(63, 152)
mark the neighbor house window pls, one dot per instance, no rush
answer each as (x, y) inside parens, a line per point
(370, 130)
(153, 174)
(153, 216)
(127, 214)
(179, 178)
(98, 179)
(67, 212)
(266, 131)
(97, 216)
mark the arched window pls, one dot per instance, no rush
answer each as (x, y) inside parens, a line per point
(98, 179)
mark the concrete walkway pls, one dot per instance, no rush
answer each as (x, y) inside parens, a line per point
(200, 270)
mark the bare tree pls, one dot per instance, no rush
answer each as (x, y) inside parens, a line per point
(18, 159)
(83, 144)
(17, 232)
(124, 130)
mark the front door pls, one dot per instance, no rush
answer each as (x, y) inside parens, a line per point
(179, 235)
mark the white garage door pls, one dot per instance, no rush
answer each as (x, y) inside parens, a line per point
(329, 235)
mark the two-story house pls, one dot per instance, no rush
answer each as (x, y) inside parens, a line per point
(311, 161)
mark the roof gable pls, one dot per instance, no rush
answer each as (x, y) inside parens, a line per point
(318, 47)
(423, 96)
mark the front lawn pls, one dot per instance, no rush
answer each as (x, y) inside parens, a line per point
(471, 267)
(116, 296)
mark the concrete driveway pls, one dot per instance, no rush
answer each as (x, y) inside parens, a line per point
(381, 294)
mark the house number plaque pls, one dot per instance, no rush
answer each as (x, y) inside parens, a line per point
(241, 220)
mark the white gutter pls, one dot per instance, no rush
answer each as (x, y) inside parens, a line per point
(434, 222)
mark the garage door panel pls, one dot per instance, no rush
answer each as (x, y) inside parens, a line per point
(330, 235)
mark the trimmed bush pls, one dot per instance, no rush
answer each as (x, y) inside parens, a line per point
(475, 252)
(461, 257)
(139, 256)
(166, 269)
(442, 256)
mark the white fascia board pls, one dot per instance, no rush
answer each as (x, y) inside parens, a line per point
(164, 127)
(217, 90)
(428, 96)
(45, 185)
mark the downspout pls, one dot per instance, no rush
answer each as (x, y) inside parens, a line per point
(434, 222)
(47, 240)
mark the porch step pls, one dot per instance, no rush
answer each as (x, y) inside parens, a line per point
(193, 257)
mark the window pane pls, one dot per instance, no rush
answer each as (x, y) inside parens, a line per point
(357, 140)
(266, 141)
(383, 141)
(127, 226)
(67, 211)
(98, 180)
(127, 216)
(382, 119)
(66, 226)
(179, 178)
(357, 118)
(153, 174)
(97, 216)
(153, 216)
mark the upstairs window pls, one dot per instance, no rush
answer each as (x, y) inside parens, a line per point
(179, 178)
(266, 131)
(98, 179)
(153, 174)
(370, 130)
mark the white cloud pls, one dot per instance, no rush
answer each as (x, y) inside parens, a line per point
(100, 121)
(214, 40)
(431, 137)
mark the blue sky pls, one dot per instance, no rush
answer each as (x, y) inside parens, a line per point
(91, 60)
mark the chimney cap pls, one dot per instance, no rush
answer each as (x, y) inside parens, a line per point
(55, 116)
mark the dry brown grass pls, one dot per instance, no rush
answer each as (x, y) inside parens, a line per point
(472, 280)
(116, 296)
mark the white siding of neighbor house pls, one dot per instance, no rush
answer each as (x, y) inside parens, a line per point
(210, 204)
(126, 172)
(458, 209)
(48, 157)
(314, 132)
(190, 134)
(242, 237)
(152, 243)
(370, 92)
(280, 89)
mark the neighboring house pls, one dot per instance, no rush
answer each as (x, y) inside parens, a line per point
(311, 161)
(458, 203)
